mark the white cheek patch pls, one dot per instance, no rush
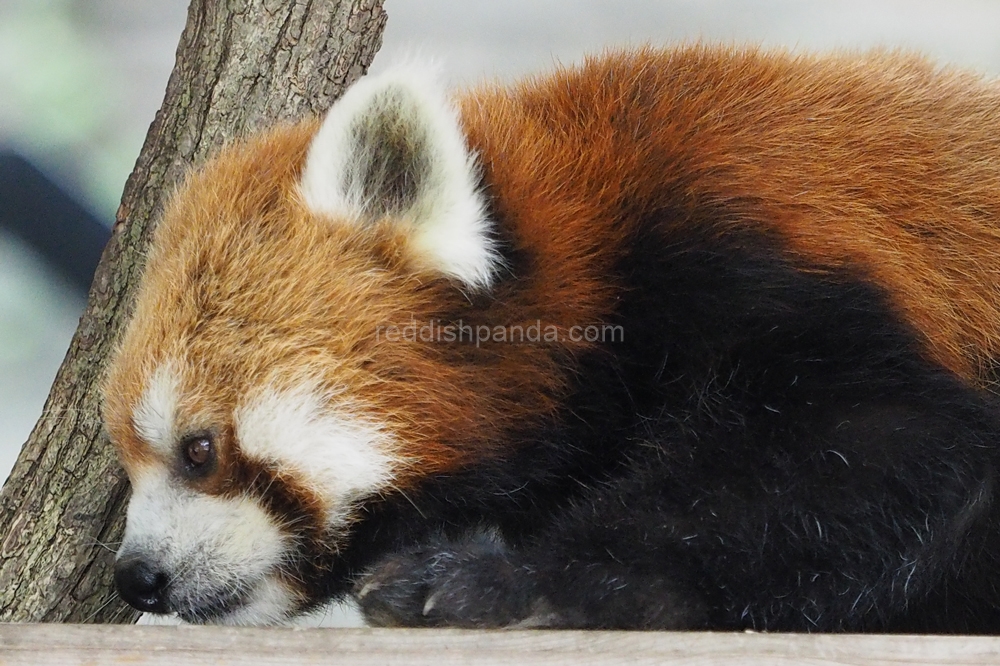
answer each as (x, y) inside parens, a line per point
(339, 454)
(269, 603)
(207, 545)
(154, 416)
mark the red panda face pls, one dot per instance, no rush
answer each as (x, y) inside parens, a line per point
(252, 400)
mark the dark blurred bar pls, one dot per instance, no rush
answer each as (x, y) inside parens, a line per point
(49, 219)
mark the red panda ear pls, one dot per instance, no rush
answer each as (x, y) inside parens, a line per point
(393, 147)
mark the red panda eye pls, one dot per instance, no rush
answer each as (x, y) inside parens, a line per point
(198, 451)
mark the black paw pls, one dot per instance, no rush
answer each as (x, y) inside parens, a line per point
(465, 584)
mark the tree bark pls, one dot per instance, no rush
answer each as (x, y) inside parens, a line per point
(241, 65)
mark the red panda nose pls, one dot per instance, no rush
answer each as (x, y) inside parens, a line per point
(141, 584)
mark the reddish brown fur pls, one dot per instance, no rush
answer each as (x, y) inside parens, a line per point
(879, 162)
(882, 161)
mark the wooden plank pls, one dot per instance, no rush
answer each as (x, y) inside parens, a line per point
(62, 644)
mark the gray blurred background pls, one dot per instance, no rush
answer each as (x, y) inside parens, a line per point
(80, 81)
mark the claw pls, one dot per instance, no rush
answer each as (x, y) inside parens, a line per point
(370, 586)
(431, 602)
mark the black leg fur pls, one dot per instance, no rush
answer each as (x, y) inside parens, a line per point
(846, 538)
(475, 582)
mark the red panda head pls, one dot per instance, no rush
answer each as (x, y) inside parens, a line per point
(252, 400)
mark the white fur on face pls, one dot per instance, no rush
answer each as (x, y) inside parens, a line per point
(340, 455)
(343, 175)
(209, 547)
(270, 602)
(157, 409)
(225, 552)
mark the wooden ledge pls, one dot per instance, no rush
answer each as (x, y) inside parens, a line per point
(62, 644)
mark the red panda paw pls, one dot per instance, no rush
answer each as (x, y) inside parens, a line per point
(460, 584)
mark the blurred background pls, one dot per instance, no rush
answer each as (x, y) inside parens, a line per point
(80, 81)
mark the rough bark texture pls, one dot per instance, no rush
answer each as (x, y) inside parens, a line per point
(241, 65)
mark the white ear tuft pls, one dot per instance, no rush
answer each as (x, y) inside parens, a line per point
(393, 147)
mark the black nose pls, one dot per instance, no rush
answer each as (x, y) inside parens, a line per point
(142, 584)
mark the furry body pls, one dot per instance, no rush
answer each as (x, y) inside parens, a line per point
(795, 430)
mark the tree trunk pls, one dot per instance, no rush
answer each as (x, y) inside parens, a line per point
(241, 65)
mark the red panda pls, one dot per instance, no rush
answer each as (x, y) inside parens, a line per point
(694, 338)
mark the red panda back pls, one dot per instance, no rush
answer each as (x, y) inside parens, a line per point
(881, 163)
